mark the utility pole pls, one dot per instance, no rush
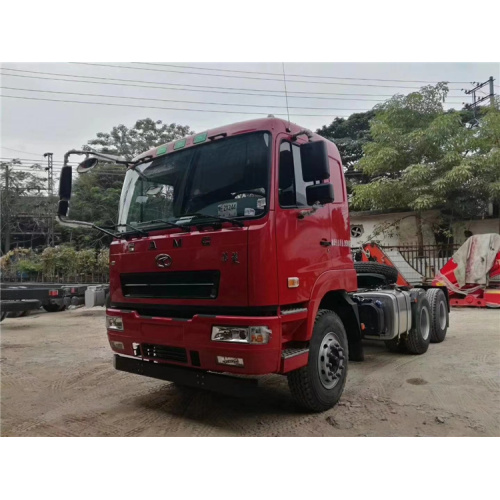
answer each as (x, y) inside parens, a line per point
(477, 101)
(7, 209)
(50, 187)
(492, 93)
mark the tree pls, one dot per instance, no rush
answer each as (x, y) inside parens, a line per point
(144, 135)
(24, 202)
(349, 135)
(422, 157)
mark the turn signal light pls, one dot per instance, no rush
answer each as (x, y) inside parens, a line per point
(293, 282)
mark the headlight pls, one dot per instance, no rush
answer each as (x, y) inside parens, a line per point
(114, 323)
(242, 334)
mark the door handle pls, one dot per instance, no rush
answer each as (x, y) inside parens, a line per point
(325, 243)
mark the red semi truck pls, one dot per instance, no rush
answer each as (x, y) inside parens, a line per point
(232, 257)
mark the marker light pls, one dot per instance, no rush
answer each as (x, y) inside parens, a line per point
(114, 323)
(241, 334)
(293, 282)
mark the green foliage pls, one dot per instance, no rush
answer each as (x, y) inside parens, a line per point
(31, 267)
(422, 157)
(55, 262)
(144, 135)
(349, 135)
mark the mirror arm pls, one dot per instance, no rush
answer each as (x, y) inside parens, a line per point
(104, 156)
(305, 213)
(302, 132)
(75, 223)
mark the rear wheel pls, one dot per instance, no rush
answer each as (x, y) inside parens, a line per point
(396, 345)
(439, 314)
(418, 338)
(319, 385)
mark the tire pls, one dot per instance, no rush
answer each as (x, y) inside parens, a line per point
(418, 338)
(16, 314)
(2, 315)
(391, 273)
(51, 308)
(397, 344)
(439, 314)
(312, 386)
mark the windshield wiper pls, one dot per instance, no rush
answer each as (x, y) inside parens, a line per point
(169, 224)
(223, 219)
(134, 229)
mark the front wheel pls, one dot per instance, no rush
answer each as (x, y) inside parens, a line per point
(54, 308)
(319, 385)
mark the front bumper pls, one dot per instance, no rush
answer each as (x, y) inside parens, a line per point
(188, 342)
(188, 376)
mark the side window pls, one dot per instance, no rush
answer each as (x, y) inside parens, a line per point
(292, 188)
(337, 180)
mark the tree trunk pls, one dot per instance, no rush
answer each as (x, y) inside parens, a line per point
(420, 234)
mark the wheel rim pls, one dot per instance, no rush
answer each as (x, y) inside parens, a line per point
(331, 361)
(442, 315)
(424, 323)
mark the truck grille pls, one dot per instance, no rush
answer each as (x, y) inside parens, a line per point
(164, 352)
(171, 285)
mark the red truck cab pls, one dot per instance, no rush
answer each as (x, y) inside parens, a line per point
(233, 249)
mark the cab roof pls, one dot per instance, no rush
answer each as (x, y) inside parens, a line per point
(271, 124)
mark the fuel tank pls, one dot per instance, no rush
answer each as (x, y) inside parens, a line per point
(385, 314)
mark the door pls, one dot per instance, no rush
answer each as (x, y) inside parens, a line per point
(303, 244)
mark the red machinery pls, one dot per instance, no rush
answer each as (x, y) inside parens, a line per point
(466, 295)
(471, 293)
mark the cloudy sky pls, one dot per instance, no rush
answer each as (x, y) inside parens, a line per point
(198, 95)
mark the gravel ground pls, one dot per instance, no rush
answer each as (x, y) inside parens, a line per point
(58, 380)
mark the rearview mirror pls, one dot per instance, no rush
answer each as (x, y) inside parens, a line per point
(319, 193)
(314, 159)
(87, 164)
(63, 208)
(65, 182)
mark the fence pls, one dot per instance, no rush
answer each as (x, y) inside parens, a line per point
(426, 260)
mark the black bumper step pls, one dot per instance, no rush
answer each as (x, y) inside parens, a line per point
(224, 384)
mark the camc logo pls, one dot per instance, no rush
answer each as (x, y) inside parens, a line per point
(163, 260)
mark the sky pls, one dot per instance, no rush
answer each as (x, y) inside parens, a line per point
(237, 92)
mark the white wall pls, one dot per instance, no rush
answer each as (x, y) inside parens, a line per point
(401, 228)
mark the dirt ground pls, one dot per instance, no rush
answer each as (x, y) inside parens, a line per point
(58, 380)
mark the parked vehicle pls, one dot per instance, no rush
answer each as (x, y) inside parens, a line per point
(232, 256)
(19, 299)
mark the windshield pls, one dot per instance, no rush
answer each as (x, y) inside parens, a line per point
(227, 178)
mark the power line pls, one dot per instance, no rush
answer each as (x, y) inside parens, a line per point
(184, 102)
(159, 107)
(200, 88)
(291, 74)
(19, 151)
(245, 77)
